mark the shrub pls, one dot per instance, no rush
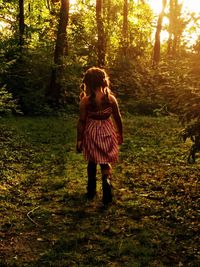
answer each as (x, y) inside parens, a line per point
(7, 103)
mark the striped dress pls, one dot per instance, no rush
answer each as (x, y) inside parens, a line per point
(100, 140)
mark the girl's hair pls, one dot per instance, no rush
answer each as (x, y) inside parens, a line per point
(93, 79)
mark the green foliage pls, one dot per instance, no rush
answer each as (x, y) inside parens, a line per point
(7, 103)
(82, 35)
(72, 80)
(28, 79)
(177, 90)
(142, 107)
(131, 82)
(40, 26)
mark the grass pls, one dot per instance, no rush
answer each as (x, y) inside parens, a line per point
(46, 220)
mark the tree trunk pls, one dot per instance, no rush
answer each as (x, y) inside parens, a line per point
(48, 5)
(21, 23)
(56, 92)
(170, 30)
(125, 28)
(101, 46)
(61, 48)
(169, 44)
(175, 45)
(176, 27)
(156, 55)
(108, 29)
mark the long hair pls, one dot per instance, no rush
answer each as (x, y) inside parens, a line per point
(93, 79)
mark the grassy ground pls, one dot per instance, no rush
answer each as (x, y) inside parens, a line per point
(46, 220)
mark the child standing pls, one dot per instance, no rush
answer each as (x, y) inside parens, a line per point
(97, 136)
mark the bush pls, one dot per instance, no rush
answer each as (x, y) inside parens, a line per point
(193, 133)
(27, 78)
(142, 107)
(7, 103)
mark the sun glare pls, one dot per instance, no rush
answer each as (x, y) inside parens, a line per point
(72, 2)
(156, 5)
(191, 5)
(188, 5)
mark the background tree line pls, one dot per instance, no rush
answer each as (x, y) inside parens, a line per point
(47, 44)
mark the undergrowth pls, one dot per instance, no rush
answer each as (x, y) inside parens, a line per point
(46, 220)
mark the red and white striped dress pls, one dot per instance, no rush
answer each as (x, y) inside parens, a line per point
(100, 143)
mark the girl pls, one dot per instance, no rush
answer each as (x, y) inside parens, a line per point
(97, 136)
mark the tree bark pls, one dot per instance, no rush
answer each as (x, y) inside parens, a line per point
(156, 54)
(101, 46)
(170, 30)
(48, 4)
(107, 30)
(175, 27)
(56, 92)
(61, 48)
(21, 23)
(125, 28)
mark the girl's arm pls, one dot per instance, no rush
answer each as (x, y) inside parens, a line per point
(81, 124)
(117, 118)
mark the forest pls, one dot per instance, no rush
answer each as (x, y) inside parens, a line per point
(151, 52)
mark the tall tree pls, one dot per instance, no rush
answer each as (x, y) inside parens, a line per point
(21, 23)
(101, 42)
(176, 27)
(125, 28)
(107, 25)
(156, 54)
(56, 92)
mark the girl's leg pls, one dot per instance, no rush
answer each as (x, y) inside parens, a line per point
(106, 171)
(91, 186)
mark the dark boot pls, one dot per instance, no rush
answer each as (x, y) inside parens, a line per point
(107, 189)
(91, 186)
